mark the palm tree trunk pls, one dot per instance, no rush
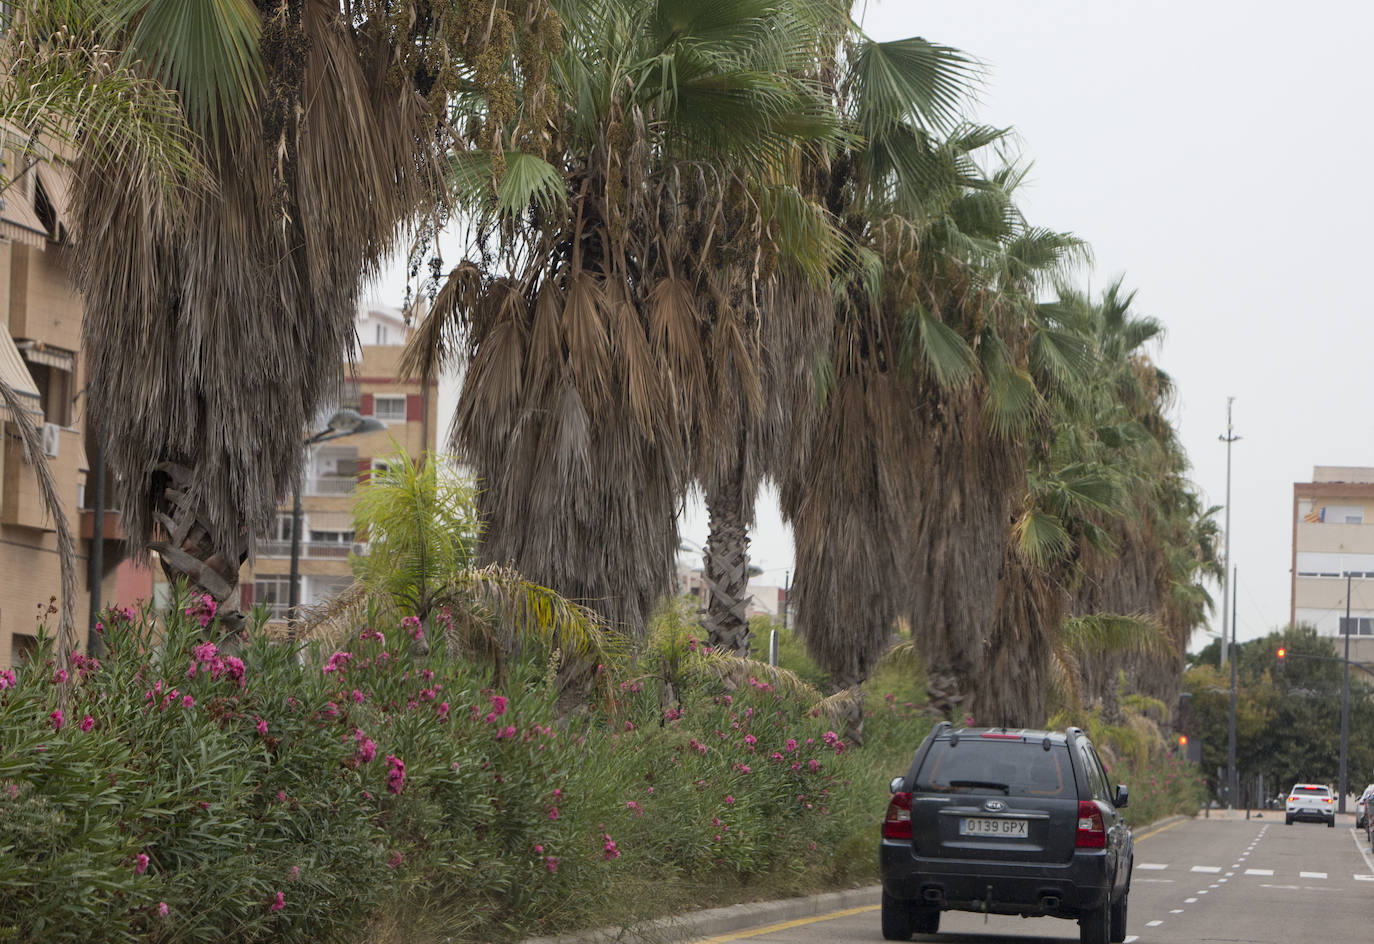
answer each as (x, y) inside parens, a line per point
(726, 564)
(1016, 677)
(189, 549)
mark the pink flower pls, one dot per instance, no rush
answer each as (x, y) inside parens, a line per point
(358, 697)
(609, 850)
(498, 708)
(57, 720)
(729, 800)
(162, 909)
(187, 701)
(262, 727)
(507, 732)
(629, 726)
(750, 740)
(551, 863)
(814, 765)
(443, 711)
(395, 861)
(411, 626)
(635, 808)
(553, 812)
(140, 863)
(294, 875)
(7, 680)
(396, 776)
(367, 748)
(337, 662)
(59, 676)
(278, 903)
(87, 723)
(539, 850)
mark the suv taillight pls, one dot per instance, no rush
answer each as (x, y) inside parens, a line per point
(1092, 832)
(897, 822)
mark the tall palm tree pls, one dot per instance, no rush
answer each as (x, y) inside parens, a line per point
(623, 302)
(219, 332)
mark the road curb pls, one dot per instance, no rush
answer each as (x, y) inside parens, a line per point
(712, 921)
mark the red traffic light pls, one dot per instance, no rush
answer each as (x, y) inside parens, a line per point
(1183, 740)
(1282, 653)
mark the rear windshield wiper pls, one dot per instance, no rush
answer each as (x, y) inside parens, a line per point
(986, 784)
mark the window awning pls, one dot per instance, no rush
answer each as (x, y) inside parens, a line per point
(48, 356)
(15, 373)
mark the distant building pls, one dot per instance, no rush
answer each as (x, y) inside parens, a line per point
(1333, 535)
(764, 599)
(40, 358)
(334, 469)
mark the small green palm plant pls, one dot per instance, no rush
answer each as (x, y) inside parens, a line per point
(423, 535)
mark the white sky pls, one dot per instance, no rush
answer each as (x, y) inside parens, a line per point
(1194, 145)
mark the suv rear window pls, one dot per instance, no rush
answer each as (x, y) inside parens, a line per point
(1015, 768)
(1318, 791)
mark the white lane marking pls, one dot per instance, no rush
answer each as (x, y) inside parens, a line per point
(1202, 891)
(1153, 924)
(1152, 866)
(1287, 888)
(1132, 938)
(1154, 881)
(1311, 875)
(1176, 911)
(1368, 860)
(1190, 901)
(1218, 885)
(1364, 878)
(1267, 873)
(1206, 868)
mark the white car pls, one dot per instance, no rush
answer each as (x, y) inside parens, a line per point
(1362, 807)
(1310, 801)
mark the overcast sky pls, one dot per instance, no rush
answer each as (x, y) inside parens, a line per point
(1216, 154)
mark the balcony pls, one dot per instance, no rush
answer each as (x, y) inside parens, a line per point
(330, 485)
(312, 550)
(1335, 538)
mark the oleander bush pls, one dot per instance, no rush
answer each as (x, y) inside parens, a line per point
(179, 790)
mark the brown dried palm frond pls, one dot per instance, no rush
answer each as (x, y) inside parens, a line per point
(52, 506)
(216, 340)
(842, 707)
(737, 670)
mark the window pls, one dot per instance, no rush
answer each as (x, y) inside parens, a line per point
(1357, 626)
(55, 389)
(281, 530)
(1011, 768)
(22, 648)
(381, 335)
(331, 537)
(389, 409)
(273, 591)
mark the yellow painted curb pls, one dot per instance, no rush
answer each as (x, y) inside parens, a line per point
(785, 925)
(1156, 832)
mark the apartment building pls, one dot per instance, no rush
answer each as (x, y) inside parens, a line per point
(334, 468)
(40, 347)
(1333, 547)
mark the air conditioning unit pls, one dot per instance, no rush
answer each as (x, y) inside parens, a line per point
(52, 439)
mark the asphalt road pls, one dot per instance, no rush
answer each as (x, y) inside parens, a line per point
(1218, 880)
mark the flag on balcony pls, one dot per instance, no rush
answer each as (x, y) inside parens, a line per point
(1315, 516)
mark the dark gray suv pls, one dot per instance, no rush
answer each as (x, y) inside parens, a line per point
(1008, 822)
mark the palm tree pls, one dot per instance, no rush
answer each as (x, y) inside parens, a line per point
(625, 300)
(219, 317)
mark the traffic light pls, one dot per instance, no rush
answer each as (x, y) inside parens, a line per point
(1183, 742)
(1282, 654)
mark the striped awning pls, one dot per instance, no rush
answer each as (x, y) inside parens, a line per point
(35, 353)
(15, 373)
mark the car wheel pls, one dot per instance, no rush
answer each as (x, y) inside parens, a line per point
(1094, 925)
(897, 923)
(1287, 821)
(926, 920)
(1331, 824)
(1119, 919)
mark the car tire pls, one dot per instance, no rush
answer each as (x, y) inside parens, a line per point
(1331, 824)
(1287, 821)
(1118, 929)
(926, 920)
(897, 919)
(1094, 925)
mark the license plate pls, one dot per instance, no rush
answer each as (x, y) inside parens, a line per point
(1013, 828)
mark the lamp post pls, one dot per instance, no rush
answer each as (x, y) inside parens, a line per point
(341, 424)
(1345, 692)
(1229, 438)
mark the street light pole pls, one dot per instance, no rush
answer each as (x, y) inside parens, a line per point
(1229, 438)
(341, 424)
(1232, 786)
(1345, 693)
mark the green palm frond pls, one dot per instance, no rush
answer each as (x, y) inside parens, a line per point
(1041, 538)
(205, 49)
(1102, 633)
(910, 80)
(940, 349)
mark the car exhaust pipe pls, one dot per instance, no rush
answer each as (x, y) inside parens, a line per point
(1050, 903)
(933, 895)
